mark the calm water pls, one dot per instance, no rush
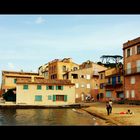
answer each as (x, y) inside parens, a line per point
(44, 117)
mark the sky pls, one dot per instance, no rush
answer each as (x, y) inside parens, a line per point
(29, 41)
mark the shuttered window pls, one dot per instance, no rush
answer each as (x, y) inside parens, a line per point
(39, 87)
(59, 87)
(49, 87)
(108, 93)
(38, 98)
(25, 87)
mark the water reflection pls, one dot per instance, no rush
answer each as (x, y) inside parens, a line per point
(44, 117)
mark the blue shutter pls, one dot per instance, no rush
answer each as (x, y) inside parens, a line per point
(108, 93)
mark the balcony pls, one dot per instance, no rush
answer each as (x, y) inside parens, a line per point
(132, 71)
(113, 84)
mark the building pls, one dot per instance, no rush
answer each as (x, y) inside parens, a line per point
(57, 68)
(44, 71)
(9, 78)
(131, 53)
(86, 80)
(111, 84)
(37, 91)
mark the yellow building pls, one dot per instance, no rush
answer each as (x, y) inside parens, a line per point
(9, 78)
(57, 68)
(111, 84)
(38, 91)
(86, 80)
(44, 71)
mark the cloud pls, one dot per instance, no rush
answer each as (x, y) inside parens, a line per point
(40, 20)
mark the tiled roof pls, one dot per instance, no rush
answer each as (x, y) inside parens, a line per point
(43, 81)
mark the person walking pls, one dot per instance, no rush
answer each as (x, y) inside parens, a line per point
(108, 108)
(110, 103)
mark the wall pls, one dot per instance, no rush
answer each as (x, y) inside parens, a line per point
(28, 96)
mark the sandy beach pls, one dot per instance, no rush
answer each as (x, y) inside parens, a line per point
(116, 117)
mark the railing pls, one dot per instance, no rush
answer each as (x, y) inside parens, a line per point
(111, 84)
(135, 70)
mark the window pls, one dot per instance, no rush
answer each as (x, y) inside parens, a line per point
(64, 68)
(49, 87)
(77, 85)
(38, 98)
(138, 49)
(101, 76)
(15, 80)
(128, 68)
(88, 85)
(109, 80)
(59, 87)
(59, 97)
(39, 87)
(49, 97)
(75, 68)
(133, 80)
(88, 76)
(128, 52)
(108, 93)
(82, 85)
(75, 76)
(138, 65)
(82, 76)
(127, 94)
(25, 86)
(77, 96)
(101, 86)
(119, 79)
(132, 93)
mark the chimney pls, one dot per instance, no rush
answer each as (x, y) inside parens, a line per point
(32, 78)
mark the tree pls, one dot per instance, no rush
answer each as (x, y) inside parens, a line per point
(9, 95)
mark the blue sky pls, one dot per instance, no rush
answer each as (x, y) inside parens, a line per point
(28, 41)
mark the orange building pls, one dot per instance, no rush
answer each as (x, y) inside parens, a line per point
(57, 68)
(131, 53)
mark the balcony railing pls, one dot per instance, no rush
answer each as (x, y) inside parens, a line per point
(135, 70)
(112, 84)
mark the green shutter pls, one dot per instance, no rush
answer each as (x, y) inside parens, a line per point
(56, 87)
(47, 87)
(15, 80)
(61, 87)
(52, 87)
(49, 97)
(54, 97)
(38, 87)
(65, 98)
(25, 86)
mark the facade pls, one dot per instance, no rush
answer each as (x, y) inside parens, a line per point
(86, 80)
(57, 68)
(111, 84)
(38, 91)
(131, 53)
(9, 78)
(44, 71)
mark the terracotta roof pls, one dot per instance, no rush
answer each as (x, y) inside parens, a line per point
(43, 81)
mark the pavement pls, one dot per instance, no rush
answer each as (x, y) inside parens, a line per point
(116, 118)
